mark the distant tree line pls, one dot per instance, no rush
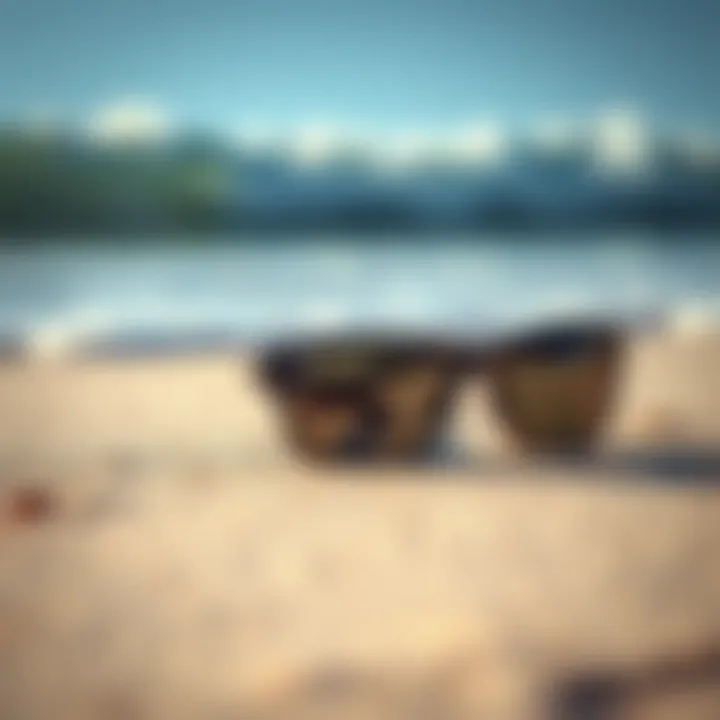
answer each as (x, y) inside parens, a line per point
(50, 187)
(54, 186)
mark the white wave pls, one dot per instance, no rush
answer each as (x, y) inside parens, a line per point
(321, 315)
(696, 318)
(567, 300)
(61, 337)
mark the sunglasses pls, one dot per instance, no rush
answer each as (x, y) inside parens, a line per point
(373, 398)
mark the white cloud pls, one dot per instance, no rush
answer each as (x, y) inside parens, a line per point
(617, 140)
(405, 149)
(483, 143)
(621, 141)
(479, 143)
(129, 120)
(317, 143)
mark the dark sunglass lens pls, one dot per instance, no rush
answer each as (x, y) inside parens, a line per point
(563, 345)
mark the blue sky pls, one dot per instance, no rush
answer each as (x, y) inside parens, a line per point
(388, 63)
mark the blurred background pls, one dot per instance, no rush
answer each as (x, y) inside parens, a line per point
(202, 174)
(230, 168)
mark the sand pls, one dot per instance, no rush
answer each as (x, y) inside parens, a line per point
(178, 564)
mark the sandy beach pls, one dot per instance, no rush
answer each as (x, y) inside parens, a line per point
(174, 562)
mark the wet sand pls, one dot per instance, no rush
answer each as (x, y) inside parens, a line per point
(177, 564)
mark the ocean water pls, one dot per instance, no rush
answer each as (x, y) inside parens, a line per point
(73, 294)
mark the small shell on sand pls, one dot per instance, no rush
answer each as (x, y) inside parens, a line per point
(30, 504)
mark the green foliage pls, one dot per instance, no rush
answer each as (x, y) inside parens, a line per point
(55, 184)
